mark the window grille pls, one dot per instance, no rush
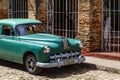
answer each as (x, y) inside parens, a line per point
(62, 17)
(18, 9)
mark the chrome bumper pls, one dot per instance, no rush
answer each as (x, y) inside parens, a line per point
(60, 63)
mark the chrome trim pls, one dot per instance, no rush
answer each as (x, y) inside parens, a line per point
(65, 55)
(60, 63)
(80, 44)
(65, 43)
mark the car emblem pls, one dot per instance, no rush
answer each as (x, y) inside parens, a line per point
(65, 43)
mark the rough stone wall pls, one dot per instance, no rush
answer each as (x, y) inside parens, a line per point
(31, 9)
(89, 26)
(96, 25)
(3, 9)
(84, 22)
(42, 11)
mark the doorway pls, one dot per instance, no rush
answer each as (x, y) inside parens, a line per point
(111, 25)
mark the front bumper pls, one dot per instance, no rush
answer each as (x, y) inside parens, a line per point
(60, 63)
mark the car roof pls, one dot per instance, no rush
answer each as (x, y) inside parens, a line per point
(18, 21)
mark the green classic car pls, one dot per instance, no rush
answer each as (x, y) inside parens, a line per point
(25, 41)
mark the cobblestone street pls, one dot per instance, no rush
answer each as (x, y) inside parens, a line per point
(12, 71)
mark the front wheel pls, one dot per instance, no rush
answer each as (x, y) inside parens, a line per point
(30, 65)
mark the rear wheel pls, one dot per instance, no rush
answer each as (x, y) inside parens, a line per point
(30, 65)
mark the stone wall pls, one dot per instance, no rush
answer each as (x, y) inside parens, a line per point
(32, 9)
(42, 11)
(84, 22)
(3, 9)
(89, 27)
(96, 25)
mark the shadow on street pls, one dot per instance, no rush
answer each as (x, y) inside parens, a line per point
(54, 72)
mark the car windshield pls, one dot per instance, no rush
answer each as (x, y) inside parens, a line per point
(27, 29)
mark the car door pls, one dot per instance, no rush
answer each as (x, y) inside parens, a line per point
(6, 43)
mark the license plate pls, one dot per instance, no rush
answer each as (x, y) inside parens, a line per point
(69, 61)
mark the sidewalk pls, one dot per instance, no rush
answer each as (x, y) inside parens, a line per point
(102, 64)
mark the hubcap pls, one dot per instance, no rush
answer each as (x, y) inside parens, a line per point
(31, 64)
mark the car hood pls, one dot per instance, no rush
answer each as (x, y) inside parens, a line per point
(42, 37)
(53, 41)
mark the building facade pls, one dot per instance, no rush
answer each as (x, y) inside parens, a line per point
(94, 22)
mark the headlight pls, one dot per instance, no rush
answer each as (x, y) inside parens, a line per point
(46, 49)
(80, 44)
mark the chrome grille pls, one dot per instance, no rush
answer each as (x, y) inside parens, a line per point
(63, 56)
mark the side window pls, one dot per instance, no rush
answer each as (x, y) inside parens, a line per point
(7, 30)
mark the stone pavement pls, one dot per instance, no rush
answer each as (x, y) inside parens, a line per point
(102, 64)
